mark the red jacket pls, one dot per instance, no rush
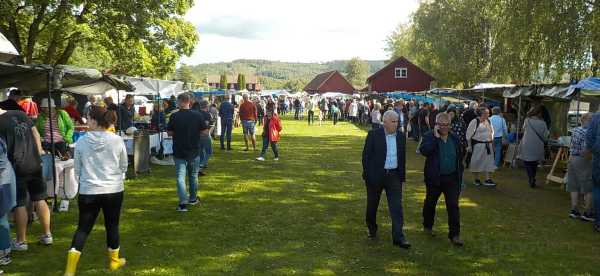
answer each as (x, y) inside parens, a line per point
(274, 128)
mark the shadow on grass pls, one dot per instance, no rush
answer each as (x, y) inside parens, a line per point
(304, 215)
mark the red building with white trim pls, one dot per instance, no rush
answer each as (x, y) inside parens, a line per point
(400, 75)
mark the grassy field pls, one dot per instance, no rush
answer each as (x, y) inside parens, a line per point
(304, 215)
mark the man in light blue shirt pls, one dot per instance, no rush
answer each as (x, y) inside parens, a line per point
(500, 131)
(383, 160)
(391, 158)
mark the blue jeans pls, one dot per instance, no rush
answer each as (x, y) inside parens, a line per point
(226, 127)
(4, 235)
(498, 151)
(205, 146)
(190, 169)
(596, 196)
(265, 146)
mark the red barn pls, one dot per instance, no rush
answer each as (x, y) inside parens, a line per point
(329, 82)
(400, 75)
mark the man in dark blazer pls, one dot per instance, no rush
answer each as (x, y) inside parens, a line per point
(443, 173)
(383, 162)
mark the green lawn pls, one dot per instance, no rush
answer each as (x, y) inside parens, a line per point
(305, 215)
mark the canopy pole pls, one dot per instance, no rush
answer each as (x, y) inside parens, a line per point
(518, 132)
(50, 77)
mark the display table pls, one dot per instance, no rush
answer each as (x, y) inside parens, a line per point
(67, 185)
(563, 144)
(154, 142)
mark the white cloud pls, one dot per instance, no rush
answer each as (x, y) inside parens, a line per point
(305, 31)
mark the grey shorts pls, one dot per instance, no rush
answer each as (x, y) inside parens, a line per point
(248, 127)
(579, 178)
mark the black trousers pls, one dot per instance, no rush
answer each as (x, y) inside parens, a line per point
(311, 117)
(450, 187)
(89, 207)
(393, 191)
(531, 168)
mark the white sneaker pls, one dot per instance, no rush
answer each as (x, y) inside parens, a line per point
(260, 158)
(46, 239)
(19, 246)
(276, 159)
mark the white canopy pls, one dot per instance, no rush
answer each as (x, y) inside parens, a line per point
(7, 50)
(146, 86)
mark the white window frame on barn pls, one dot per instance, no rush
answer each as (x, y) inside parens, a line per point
(398, 73)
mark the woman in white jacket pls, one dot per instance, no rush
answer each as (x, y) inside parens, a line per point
(100, 166)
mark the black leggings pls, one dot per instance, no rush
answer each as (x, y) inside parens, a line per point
(89, 207)
(531, 168)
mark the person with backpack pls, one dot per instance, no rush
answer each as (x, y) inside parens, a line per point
(532, 148)
(480, 136)
(24, 147)
(100, 167)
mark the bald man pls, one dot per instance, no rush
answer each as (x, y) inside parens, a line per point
(383, 161)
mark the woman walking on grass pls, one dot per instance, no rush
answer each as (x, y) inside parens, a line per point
(532, 147)
(100, 166)
(271, 129)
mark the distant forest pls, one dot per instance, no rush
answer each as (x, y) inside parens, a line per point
(274, 74)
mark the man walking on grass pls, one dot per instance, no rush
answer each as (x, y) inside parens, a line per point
(226, 111)
(383, 161)
(248, 115)
(186, 126)
(443, 170)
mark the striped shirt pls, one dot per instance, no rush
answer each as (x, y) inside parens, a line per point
(55, 131)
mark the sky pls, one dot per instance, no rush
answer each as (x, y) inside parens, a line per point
(294, 31)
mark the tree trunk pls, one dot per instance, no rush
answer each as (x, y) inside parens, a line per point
(34, 30)
(68, 52)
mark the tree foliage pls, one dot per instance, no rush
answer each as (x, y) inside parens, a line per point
(357, 72)
(224, 84)
(241, 81)
(462, 42)
(135, 37)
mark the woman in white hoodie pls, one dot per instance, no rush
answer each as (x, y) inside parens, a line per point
(100, 166)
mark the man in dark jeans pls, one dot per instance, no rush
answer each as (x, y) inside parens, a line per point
(383, 161)
(226, 111)
(443, 170)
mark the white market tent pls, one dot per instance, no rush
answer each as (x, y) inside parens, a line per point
(164, 88)
(7, 51)
(45, 78)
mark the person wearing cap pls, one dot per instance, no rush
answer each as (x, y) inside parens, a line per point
(61, 133)
(12, 103)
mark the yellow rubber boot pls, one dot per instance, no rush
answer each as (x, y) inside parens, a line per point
(114, 261)
(72, 260)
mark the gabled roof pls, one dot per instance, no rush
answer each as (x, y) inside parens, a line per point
(402, 58)
(319, 80)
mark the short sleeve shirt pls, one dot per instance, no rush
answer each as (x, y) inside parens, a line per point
(186, 125)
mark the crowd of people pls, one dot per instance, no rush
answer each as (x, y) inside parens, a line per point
(452, 138)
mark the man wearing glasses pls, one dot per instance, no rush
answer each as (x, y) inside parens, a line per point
(443, 172)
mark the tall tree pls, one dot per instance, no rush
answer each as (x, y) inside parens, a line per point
(223, 82)
(136, 37)
(241, 81)
(357, 71)
(185, 74)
